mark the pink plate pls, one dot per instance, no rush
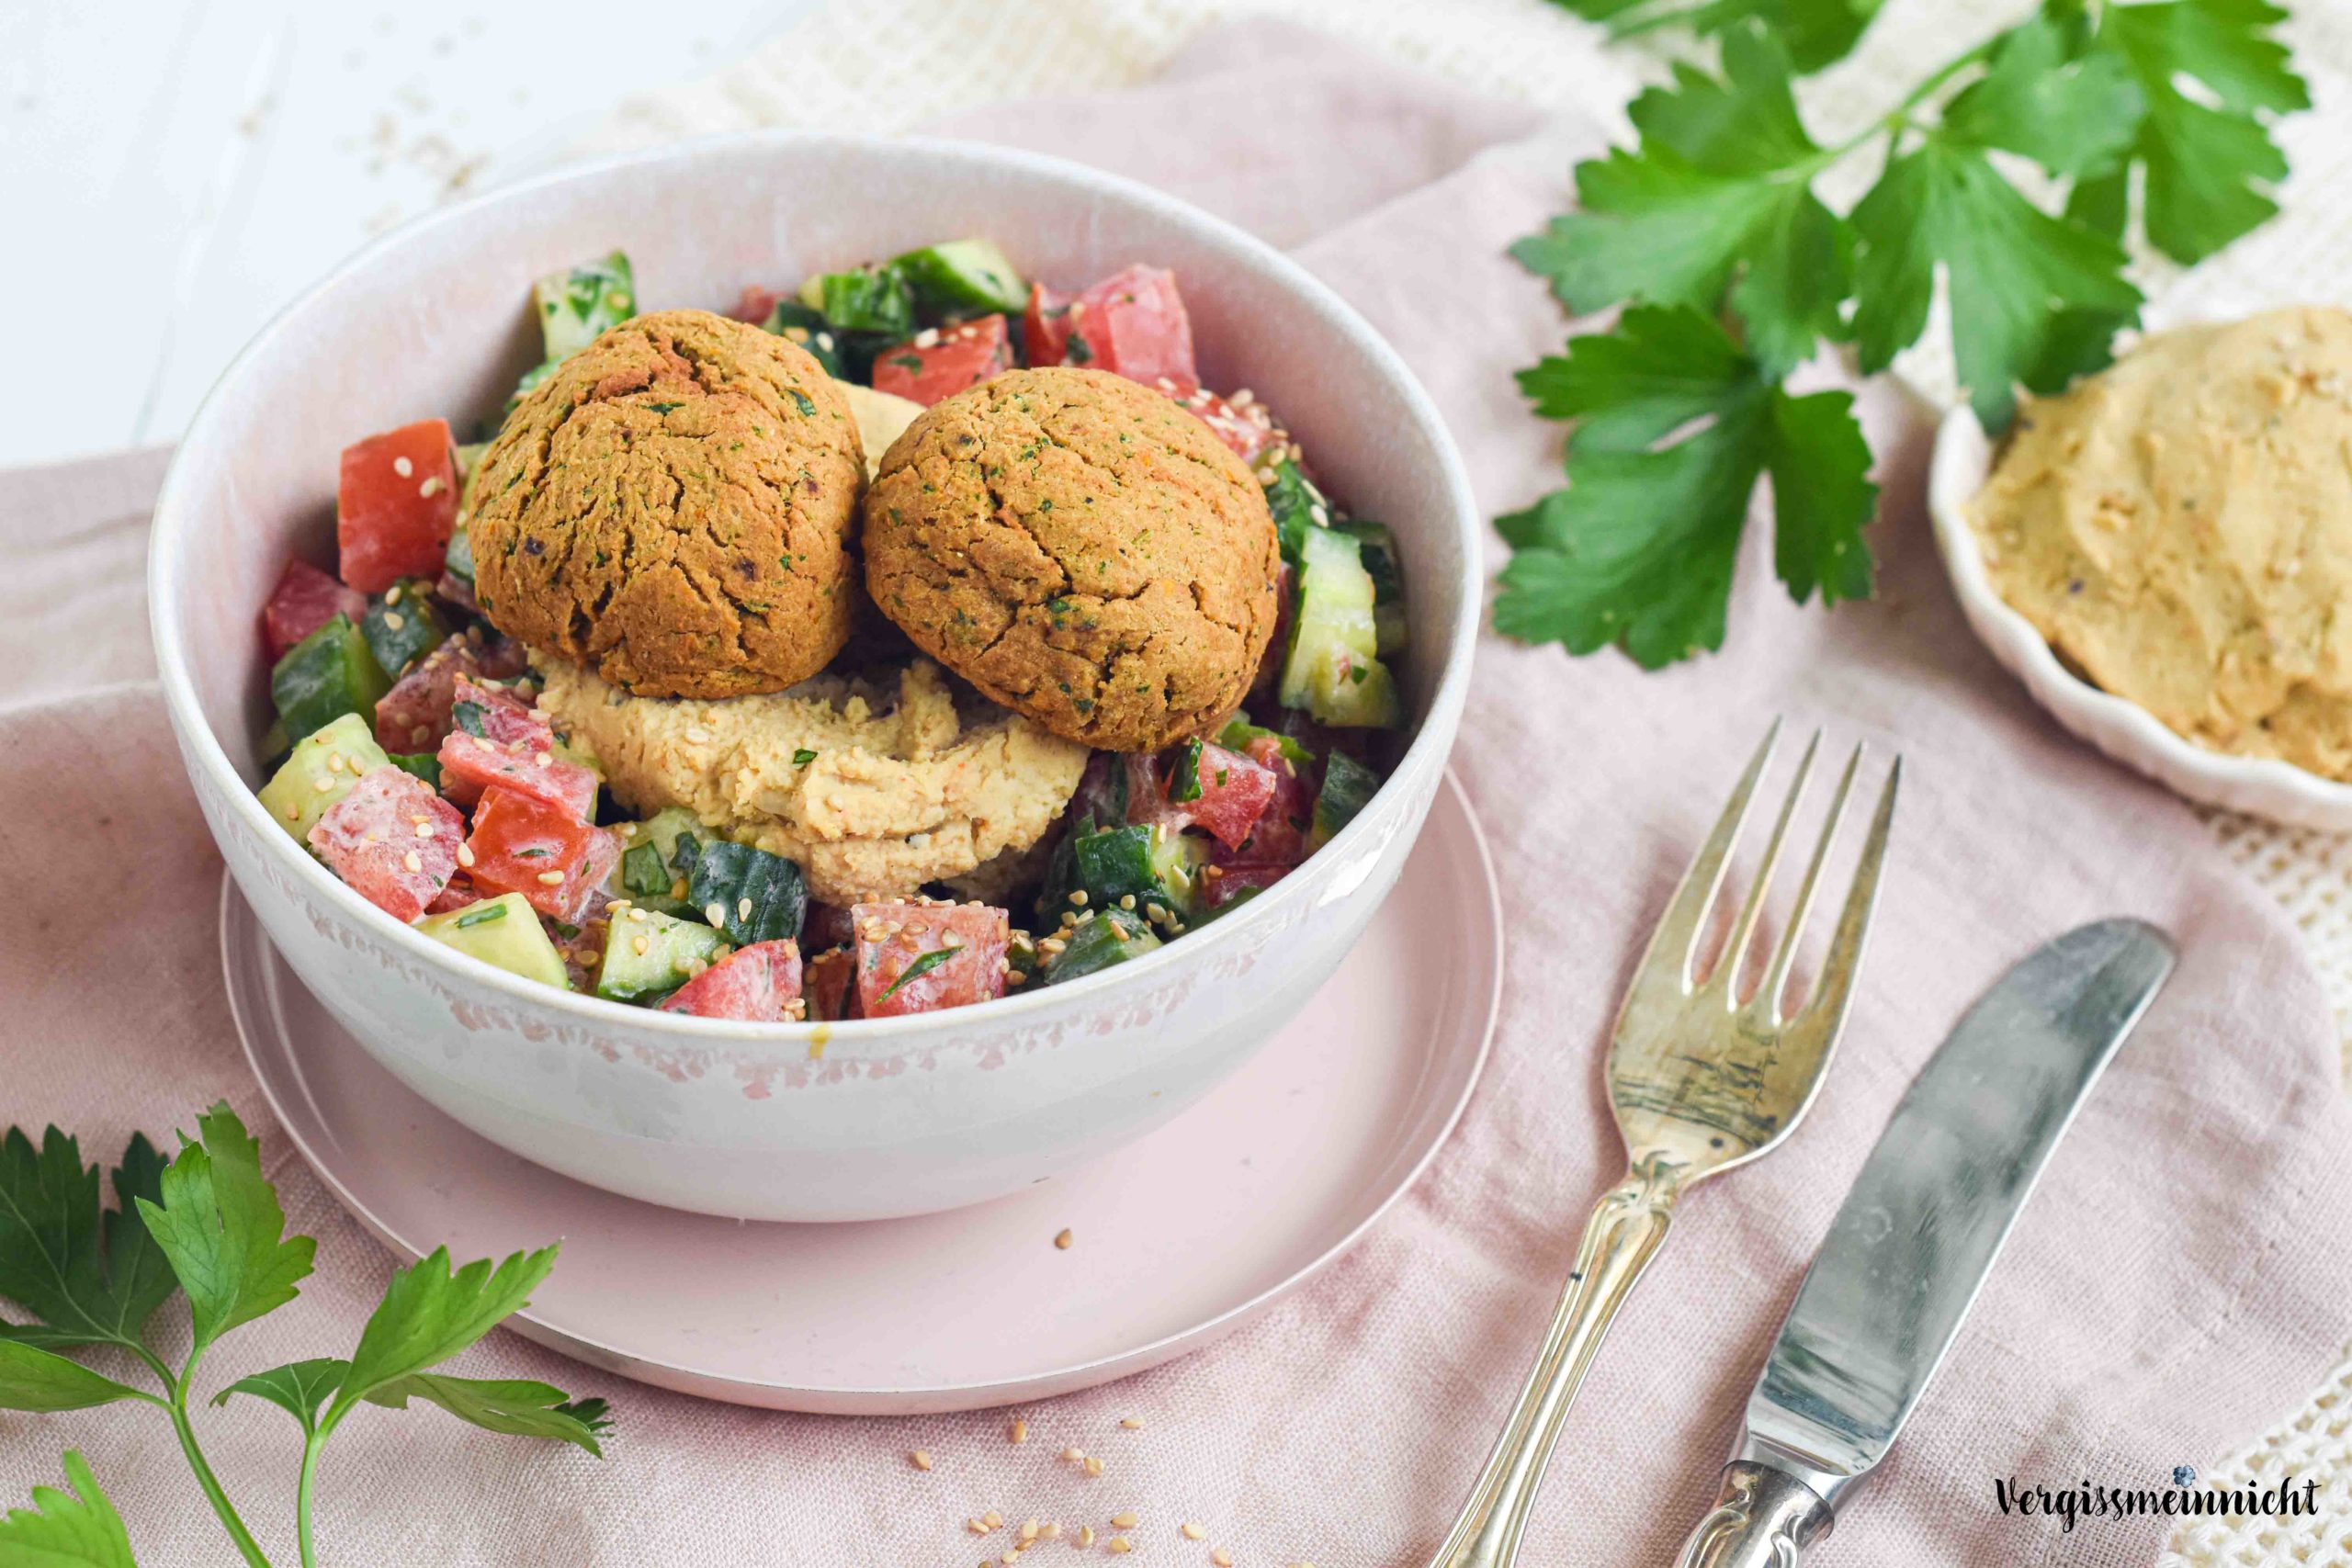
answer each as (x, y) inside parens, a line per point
(1177, 1239)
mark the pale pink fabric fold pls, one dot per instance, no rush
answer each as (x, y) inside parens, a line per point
(2182, 1279)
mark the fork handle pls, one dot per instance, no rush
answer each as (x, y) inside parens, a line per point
(1627, 1227)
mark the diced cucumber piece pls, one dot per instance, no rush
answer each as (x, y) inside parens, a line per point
(1238, 732)
(579, 304)
(1021, 959)
(275, 747)
(750, 894)
(323, 766)
(644, 876)
(645, 959)
(1332, 668)
(1294, 502)
(402, 627)
(504, 931)
(1348, 785)
(808, 327)
(1150, 865)
(1376, 548)
(327, 674)
(1097, 942)
(864, 300)
(964, 276)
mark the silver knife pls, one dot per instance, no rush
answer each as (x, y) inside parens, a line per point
(1903, 1260)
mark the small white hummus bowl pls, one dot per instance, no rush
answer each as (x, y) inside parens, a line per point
(860, 1120)
(2124, 730)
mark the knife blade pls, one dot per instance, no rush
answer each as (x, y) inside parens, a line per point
(1919, 1231)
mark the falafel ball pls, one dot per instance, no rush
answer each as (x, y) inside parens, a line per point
(673, 507)
(1081, 549)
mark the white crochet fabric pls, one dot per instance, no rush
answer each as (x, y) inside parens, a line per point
(885, 65)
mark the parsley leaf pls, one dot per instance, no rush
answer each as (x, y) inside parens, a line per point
(2072, 117)
(429, 1313)
(299, 1388)
(2208, 157)
(220, 1224)
(517, 1407)
(1817, 31)
(2012, 272)
(1716, 192)
(1675, 426)
(91, 1277)
(35, 1379)
(922, 964)
(66, 1529)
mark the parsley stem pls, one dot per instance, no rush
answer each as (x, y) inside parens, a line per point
(311, 1444)
(243, 1539)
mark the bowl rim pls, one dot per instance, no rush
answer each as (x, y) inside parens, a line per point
(851, 1039)
(2117, 726)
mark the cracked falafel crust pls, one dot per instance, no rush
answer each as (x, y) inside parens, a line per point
(1082, 549)
(674, 508)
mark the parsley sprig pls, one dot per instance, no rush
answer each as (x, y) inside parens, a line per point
(208, 1226)
(1733, 272)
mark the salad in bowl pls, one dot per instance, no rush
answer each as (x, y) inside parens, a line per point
(916, 637)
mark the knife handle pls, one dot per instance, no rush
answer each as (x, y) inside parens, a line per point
(1762, 1517)
(1627, 1227)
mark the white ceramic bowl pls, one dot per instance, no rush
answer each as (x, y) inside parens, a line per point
(2124, 730)
(858, 1120)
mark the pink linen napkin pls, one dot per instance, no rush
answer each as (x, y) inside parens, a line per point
(2182, 1278)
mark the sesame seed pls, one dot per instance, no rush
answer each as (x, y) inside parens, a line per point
(1191, 1529)
(1028, 1531)
(1117, 1545)
(425, 830)
(1073, 1454)
(993, 1519)
(927, 338)
(1242, 397)
(1093, 1465)
(402, 467)
(1126, 1518)
(1050, 1530)
(465, 854)
(1221, 1557)
(410, 860)
(1126, 901)
(742, 909)
(1020, 1432)
(920, 1457)
(715, 912)
(1078, 897)
(543, 759)
(551, 879)
(394, 619)
(1015, 977)
(1132, 1424)
(1085, 1535)
(976, 1526)
(322, 784)
(429, 488)
(420, 735)
(393, 594)
(678, 889)
(293, 814)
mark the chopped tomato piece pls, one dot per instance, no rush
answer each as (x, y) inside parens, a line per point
(471, 765)
(504, 718)
(921, 957)
(757, 983)
(954, 358)
(393, 839)
(460, 892)
(522, 844)
(396, 505)
(1234, 791)
(756, 305)
(829, 983)
(1247, 427)
(1132, 322)
(1045, 326)
(414, 714)
(304, 600)
(1279, 837)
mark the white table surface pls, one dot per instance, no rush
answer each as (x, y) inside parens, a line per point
(177, 171)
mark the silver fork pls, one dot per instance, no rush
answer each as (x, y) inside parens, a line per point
(1703, 1075)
